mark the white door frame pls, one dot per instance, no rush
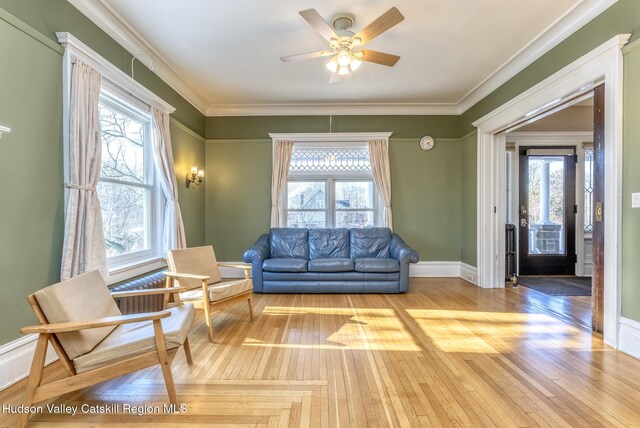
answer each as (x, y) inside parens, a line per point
(602, 65)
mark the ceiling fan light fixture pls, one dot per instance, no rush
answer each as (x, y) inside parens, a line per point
(355, 64)
(333, 65)
(344, 59)
(343, 71)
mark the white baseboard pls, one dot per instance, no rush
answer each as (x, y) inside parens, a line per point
(16, 357)
(629, 337)
(417, 270)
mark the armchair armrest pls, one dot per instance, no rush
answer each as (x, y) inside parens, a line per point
(179, 275)
(235, 265)
(148, 292)
(64, 327)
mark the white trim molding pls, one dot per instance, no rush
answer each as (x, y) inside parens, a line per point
(338, 137)
(602, 65)
(74, 48)
(16, 357)
(630, 337)
(416, 270)
(123, 33)
(4, 130)
(115, 26)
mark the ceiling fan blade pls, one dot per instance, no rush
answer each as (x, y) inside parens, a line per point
(383, 23)
(379, 57)
(320, 25)
(304, 56)
(335, 78)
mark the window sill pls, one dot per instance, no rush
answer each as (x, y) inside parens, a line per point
(123, 273)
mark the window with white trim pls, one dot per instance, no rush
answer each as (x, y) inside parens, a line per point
(127, 189)
(330, 185)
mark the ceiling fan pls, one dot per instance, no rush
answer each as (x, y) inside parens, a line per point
(345, 47)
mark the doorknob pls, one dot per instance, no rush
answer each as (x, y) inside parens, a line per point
(523, 210)
(598, 210)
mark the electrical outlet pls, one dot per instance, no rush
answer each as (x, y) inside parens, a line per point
(635, 200)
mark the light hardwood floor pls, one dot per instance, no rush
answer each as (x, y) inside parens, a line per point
(445, 354)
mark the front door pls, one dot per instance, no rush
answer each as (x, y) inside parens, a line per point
(547, 217)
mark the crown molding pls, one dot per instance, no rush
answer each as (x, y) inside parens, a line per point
(569, 137)
(331, 109)
(559, 30)
(343, 137)
(117, 28)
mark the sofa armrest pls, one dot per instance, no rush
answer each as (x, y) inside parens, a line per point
(402, 252)
(256, 255)
(259, 252)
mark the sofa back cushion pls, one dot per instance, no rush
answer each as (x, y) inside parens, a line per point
(328, 244)
(82, 298)
(370, 242)
(289, 242)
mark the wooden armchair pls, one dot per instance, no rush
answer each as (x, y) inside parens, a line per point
(198, 270)
(95, 342)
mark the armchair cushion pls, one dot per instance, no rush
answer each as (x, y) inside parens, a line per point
(289, 242)
(328, 243)
(82, 298)
(377, 265)
(197, 261)
(130, 340)
(218, 291)
(285, 265)
(370, 242)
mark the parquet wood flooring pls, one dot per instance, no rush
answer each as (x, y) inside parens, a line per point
(446, 354)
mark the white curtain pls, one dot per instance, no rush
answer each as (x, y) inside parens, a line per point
(84, 248)
(379, 154)
(281, 161)
(173, 232)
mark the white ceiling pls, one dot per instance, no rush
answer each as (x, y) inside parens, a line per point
(228, 52)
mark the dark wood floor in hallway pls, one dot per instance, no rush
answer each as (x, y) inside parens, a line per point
(445, 354)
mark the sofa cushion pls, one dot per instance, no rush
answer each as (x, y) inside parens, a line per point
(377, 264)
(370, 242)
(328, 243)
(218, 291)
(331, 265)
(130, 340)
(289, 242)
(285, 265)
(85, 297)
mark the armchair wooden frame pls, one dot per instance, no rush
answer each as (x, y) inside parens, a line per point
(37, 392)
(205, 304)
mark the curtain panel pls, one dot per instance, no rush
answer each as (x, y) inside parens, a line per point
(173, 228)
(84, 247)
(281, 162)
(381, 171)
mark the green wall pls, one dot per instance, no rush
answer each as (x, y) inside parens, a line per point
(31, 173)
(468, 200)
(631, 184)
(425, 185)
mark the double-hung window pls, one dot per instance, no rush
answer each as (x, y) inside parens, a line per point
(127, 191)
(330, 185)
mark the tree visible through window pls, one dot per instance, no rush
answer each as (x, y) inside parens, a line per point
(126, 178)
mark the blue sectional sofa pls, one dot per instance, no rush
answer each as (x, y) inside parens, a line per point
(368, 260)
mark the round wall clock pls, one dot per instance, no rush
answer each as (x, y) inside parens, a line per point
(427, 143)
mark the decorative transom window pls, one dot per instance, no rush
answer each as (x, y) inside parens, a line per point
(588, 189)
(330, 186)
(337, 159)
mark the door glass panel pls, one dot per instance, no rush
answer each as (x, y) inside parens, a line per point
(546, 205)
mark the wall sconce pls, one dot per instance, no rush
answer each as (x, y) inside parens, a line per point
(4, 129)
(196, 176)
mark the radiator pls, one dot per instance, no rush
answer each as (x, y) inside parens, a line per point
(134, 305)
